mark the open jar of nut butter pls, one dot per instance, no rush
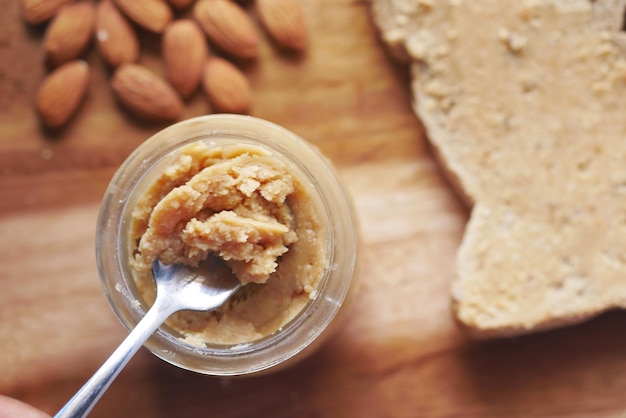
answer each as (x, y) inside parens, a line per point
(262, 201)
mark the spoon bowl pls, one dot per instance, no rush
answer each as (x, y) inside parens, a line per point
(202, 288)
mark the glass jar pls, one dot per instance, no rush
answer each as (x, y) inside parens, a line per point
(305, 330)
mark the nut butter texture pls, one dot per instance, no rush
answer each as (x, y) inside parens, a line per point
(243, 205)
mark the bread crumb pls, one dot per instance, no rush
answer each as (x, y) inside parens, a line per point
(515, 42)
(425, 5)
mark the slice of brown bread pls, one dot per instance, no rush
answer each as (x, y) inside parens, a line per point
(525, 101)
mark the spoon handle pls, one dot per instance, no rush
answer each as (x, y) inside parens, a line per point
(85, 399)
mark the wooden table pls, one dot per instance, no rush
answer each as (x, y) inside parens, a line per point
(398, 353)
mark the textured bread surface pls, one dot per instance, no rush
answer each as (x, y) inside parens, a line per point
(524, 101)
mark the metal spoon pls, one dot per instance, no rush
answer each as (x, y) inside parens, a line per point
(179, 287)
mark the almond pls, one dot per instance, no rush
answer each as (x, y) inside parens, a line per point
(284, 22)
(38, 11)
(152, 15)
(184, 52)
(115, 37)
(228, 26)
(61, 92)
(69, 33)
(226, 87)
(145, 94)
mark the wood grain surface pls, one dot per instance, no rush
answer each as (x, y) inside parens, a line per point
(397, 354)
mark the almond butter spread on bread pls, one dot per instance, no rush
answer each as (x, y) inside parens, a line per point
(524, 101)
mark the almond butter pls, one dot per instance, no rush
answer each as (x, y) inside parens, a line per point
(228, 27)
(61, 93)
(152, 15)
(115, 37)
(145, 94)
(38, 11)
(69, 33)
(184, 52)
(226, 87)
(284, 22)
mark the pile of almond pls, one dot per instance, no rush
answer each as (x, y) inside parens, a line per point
(203, 41)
